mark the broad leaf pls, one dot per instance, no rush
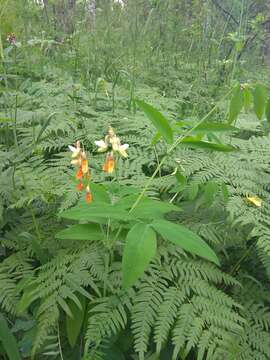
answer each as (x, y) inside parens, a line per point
(267, 110)
(158, 120)
(260, 98)
(236, 104)
(193, 143)
(140, 248)
(93, 212)
(74, 324)
(186, 239)
(147, 208)
(213, 127)
(153, 209)
(8, 340)
(81, 232)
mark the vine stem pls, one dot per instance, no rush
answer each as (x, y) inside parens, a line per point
(173, 146)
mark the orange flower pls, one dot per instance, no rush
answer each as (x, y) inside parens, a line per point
(79, 159)
(88, 195)
(79, 186)
(84, 166)
(79, 174)
(109, 163)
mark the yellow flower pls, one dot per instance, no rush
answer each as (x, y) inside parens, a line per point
(255, 200)
(113, 142)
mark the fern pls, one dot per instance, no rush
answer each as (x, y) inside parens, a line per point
(12, 270)
(166, 315)
(146, 305)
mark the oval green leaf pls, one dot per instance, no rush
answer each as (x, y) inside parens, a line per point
(236, 103)
(193, 143)
(89, 232)
(158, 120)
(209, 127)
(147, 208)
(74, 324)
(186, 239)
(140, 248)
(259, 98)
(92, 212)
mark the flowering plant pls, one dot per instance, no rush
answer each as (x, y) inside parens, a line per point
(125, 212)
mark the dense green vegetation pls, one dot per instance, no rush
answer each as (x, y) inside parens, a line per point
(159, 250)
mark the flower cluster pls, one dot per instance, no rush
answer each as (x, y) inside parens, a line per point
(11, 38)
(111, 144)
(79, 160)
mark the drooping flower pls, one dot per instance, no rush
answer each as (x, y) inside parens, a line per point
(109, 163)
(79, 186)
(79, 174)
(111, 143)
(79, 159)
(88, 195)
(84, 163)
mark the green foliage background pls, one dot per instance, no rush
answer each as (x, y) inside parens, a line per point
(73, 72)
